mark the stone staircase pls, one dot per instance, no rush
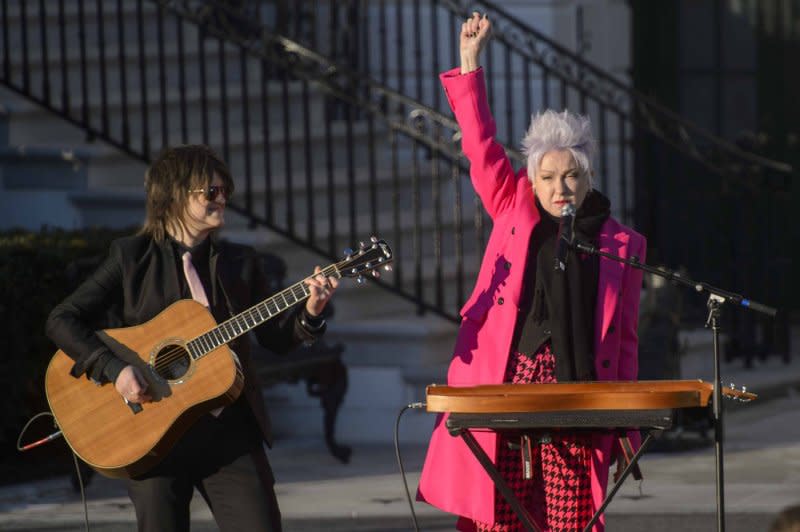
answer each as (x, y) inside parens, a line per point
(55, 174)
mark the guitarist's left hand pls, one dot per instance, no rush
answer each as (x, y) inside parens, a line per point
(322, 288)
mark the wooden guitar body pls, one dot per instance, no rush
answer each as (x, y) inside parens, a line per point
(125, 440)
(183, 354)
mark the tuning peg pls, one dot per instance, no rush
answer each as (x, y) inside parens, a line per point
(362, 245)
(348, 252)
(387, 267)
(360, 279)
(376, 274)
(373, 239)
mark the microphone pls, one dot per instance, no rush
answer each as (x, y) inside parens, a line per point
(565, 236)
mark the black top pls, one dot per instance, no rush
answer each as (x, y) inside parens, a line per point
(558, 306)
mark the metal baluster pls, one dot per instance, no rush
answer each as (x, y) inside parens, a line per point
(123, 77)
(603, 147)
(351, 173)
(329, 179)
(418, 48)
(143, 81)
(101, 46)
(623, 173)
(509, 103)
(45, 58)
(162, 78)
(265, 148)
(182, 80)
(458, 230)
(398, 232)
(84, 73)
(384, 55)
(201, 63)
(223, 100)
(416, 209)
(26, 65)
(287, 149)
(435, 68)
(436, 197)
(6, 44)
(248, 167)
(309, 164)
(62, 40)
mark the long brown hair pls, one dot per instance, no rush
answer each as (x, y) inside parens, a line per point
(170, 177)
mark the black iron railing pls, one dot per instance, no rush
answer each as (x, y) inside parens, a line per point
(322, 155)
(405, 44)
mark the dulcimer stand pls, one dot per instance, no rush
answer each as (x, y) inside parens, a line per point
(540, 425)
(538, 410)
(716, 298)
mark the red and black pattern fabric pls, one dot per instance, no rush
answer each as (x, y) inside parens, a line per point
(559, 496)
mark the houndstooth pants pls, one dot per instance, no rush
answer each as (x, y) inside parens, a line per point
(559, 496)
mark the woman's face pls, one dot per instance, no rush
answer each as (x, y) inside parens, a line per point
(203, 215)
(559, 181)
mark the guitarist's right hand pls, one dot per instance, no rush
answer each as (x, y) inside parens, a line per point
(132, 385)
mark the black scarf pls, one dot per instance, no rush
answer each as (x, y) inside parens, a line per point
(566, 300)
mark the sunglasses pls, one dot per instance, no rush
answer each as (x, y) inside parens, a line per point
(213, 191)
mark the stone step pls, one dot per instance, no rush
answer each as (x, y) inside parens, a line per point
(389, 364)
(43, 167)
(374, 398)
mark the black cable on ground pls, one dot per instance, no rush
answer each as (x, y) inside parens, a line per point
(50, 438)
(400, 460)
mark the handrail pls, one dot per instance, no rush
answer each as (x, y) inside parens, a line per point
(648, 113)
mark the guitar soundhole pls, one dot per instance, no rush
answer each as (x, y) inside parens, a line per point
(172, 362)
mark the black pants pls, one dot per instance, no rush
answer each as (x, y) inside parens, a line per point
(224, 459)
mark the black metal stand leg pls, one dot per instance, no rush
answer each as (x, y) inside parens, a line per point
(524, 516)
(618, 484)
(713, 322)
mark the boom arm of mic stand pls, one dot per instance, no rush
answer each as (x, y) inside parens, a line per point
(672, 275)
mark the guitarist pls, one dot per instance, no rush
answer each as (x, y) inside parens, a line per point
(222, 454)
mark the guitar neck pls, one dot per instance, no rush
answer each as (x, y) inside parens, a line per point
(256, 315)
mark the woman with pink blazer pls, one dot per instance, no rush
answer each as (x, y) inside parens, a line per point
(527, 322)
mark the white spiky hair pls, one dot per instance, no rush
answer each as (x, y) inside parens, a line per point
(550, 130)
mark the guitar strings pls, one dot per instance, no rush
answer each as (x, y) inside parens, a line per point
(298, 291)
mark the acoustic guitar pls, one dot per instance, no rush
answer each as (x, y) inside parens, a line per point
(183, 354)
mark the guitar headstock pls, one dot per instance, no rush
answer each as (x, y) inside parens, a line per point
(368, 258)
(731, 392)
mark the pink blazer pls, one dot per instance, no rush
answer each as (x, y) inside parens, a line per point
(452, 479)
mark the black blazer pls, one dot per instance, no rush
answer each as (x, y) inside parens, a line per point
(139, 279)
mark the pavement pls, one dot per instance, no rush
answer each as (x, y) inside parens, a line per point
(315, 492)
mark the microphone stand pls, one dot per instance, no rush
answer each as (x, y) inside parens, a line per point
(716, 297)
